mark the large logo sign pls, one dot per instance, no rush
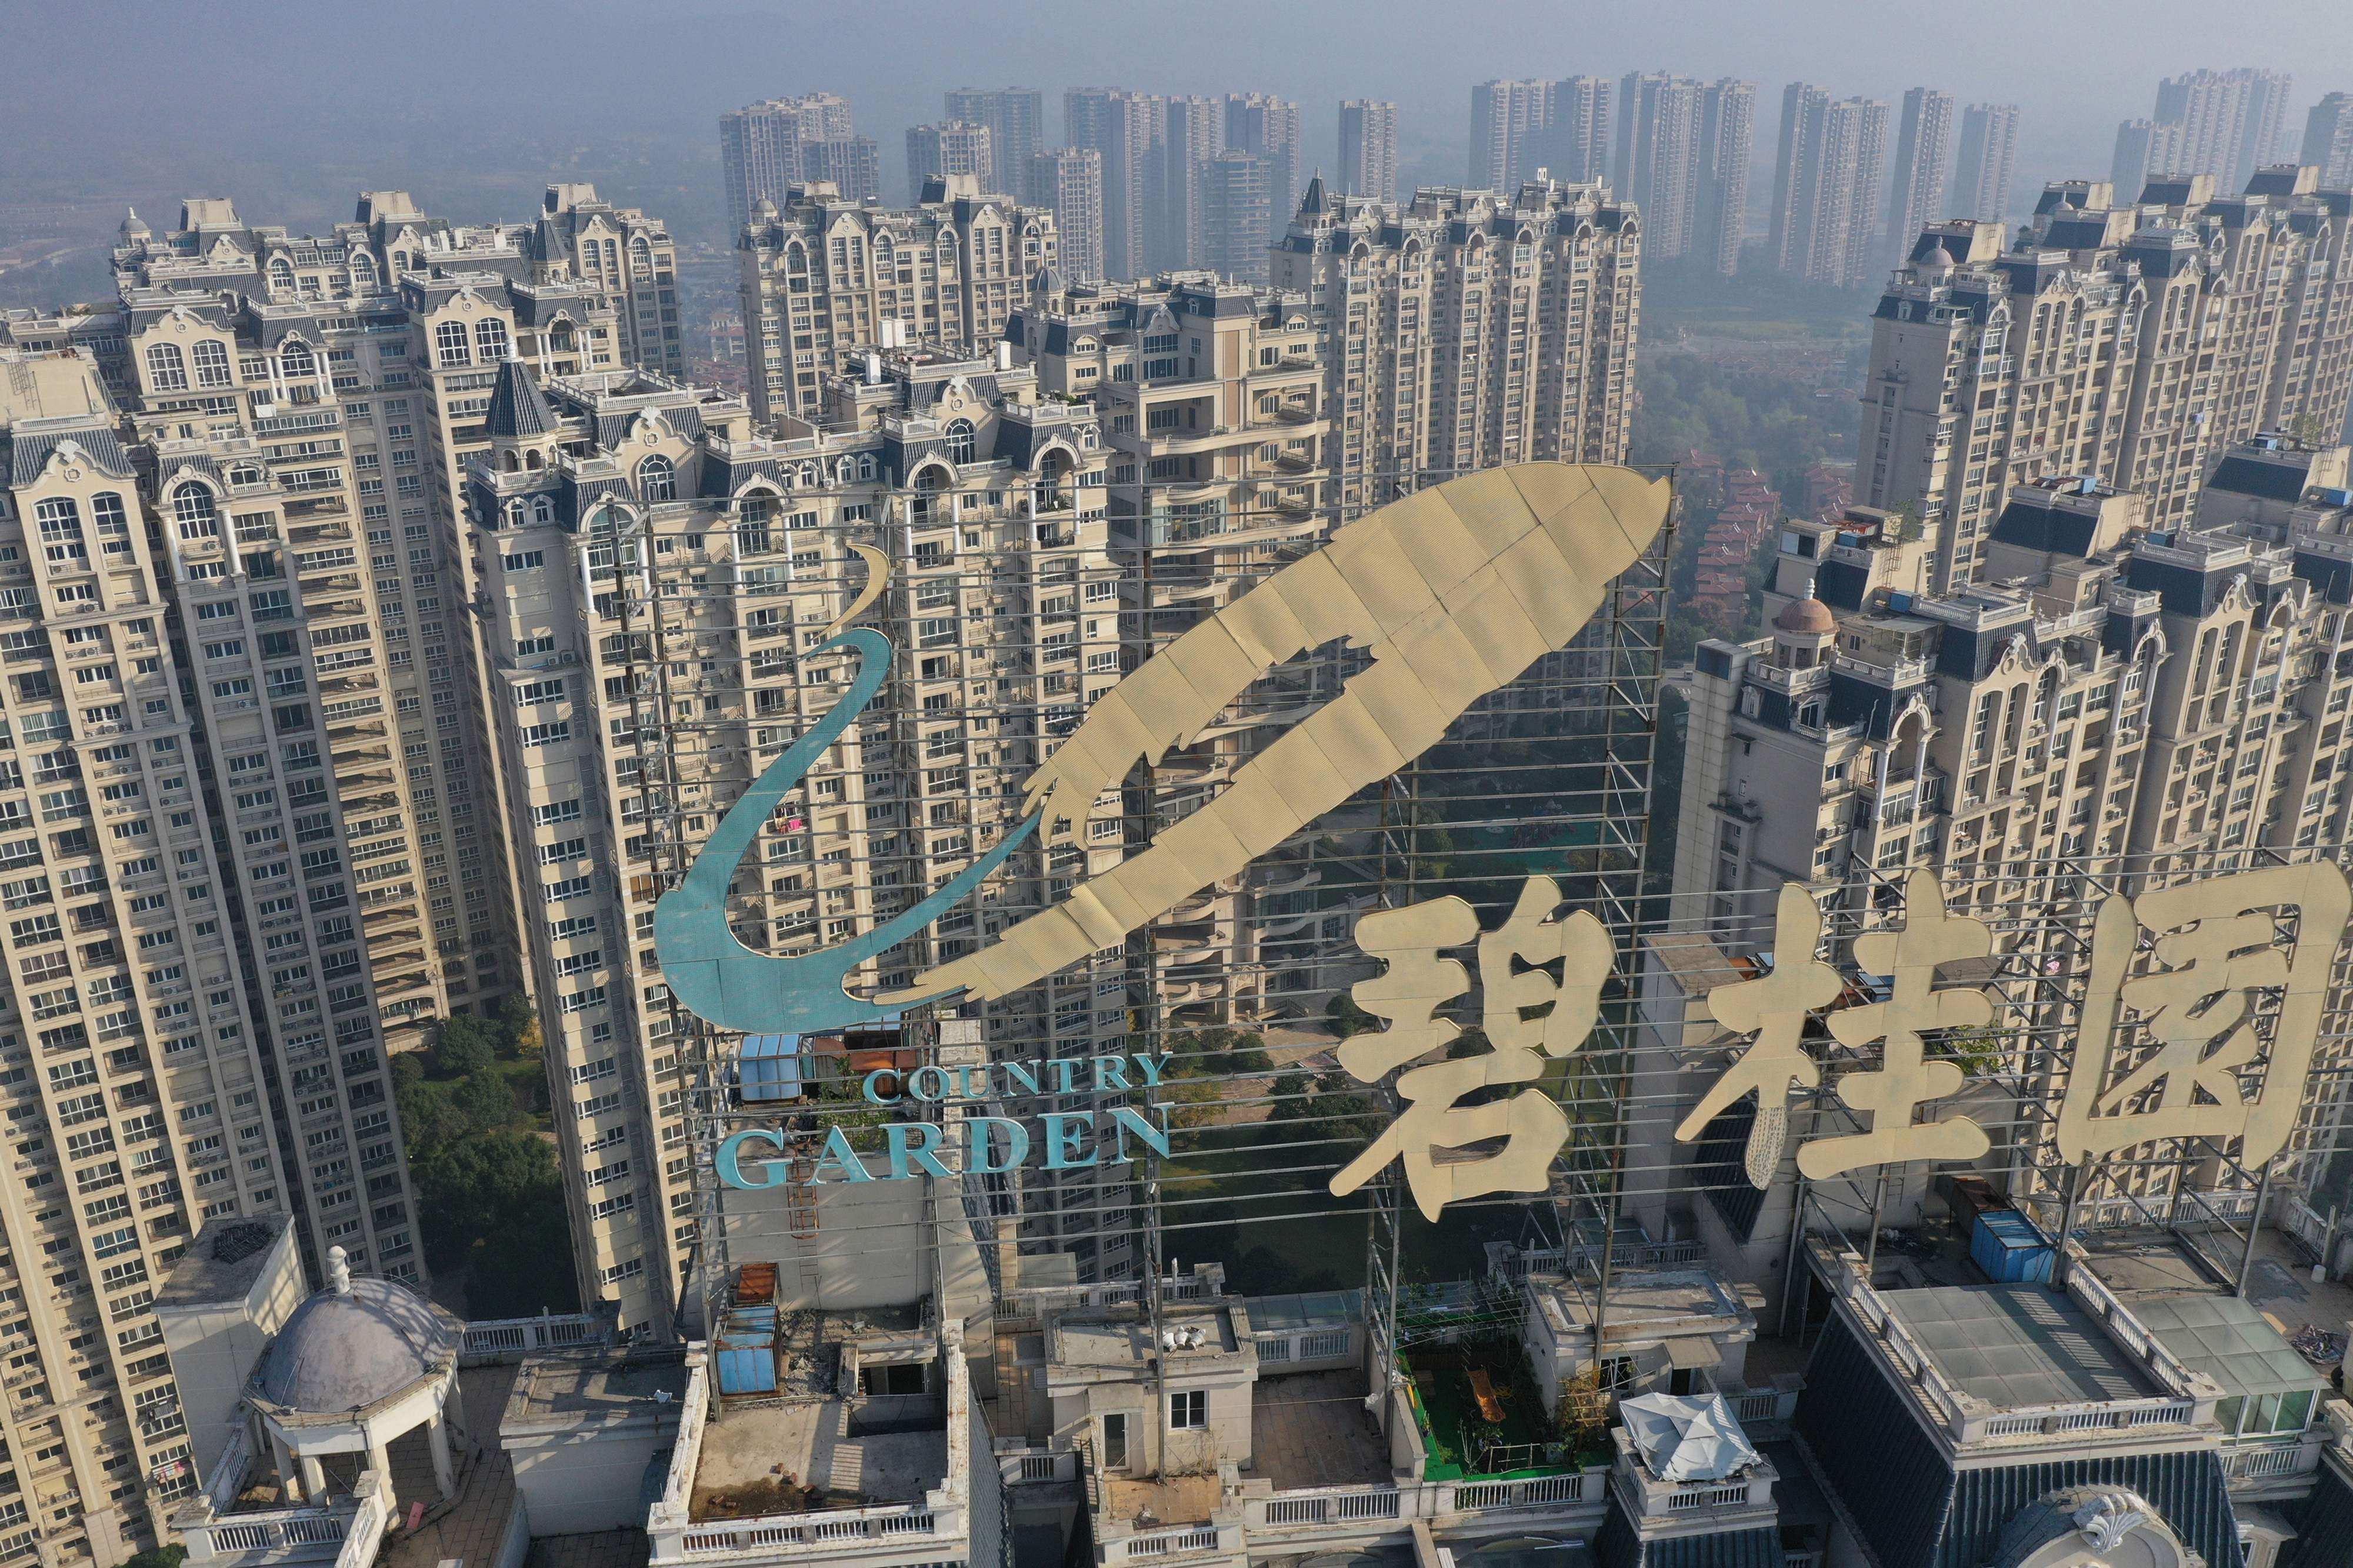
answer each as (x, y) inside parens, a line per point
(1454, 591)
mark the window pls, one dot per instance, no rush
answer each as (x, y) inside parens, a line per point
(490, 341)
(657, 481)
(167, 368)
(211, 363)
(450, 342)
(296, 360)
(1189, 1411)
(961, 445)
(191, 508)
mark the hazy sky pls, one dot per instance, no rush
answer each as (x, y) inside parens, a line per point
(175, 95)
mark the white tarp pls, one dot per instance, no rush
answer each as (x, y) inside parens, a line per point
(1687, 1437)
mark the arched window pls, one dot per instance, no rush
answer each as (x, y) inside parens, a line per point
(362, 269)
(59, 519)
(192, 508)
(559, 336)
(449, 341)
(490, 341)
(516, 512)
(542, 511)
(866, 467)
(961, 445)
(211, 363)
(534, 459)
(657, 481)
(297, 360)
(282, 275)
(167, 368)
(509, 463)
(844, 470)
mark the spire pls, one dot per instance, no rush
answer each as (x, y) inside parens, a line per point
(1311, 201)
(517, 406)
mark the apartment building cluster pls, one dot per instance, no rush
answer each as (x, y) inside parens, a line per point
(2135, 340)
(767, 148)
(1682, 151)
(2222, 123)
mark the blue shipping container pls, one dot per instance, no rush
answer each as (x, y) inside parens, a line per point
(2009, 1250)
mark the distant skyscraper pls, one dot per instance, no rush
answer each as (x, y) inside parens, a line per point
(1727, 136)
(1271, 127)
(2328, 139)
(1981, 178)
(1508, 120)
(1130, 131)
(1826, 186)
(1923, 143)
(2145, 148)
(1368, 155)
(854, 164)
(759, 145)
(954, 147)
(1659, 119)
(1016, 118)
(2230, 121)
(1068, 181)
(1576, 144)
(1194, 133)
(1238, 214)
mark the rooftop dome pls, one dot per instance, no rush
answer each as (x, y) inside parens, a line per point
(355, 1342)
(1809, 616)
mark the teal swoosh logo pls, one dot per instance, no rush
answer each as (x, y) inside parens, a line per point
(719, 979)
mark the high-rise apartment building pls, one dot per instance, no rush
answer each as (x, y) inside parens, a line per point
(1467, 330)
(850, 164)
(1238, 214)
(1509, 123)
(624, 255)
(823, 275)
(1924, 141)
(1209, 393)
(762, 146)
(2328, 139)
(655, 572)
(1727, 138)
(1016, 118)
(1068, 182)
(2231, 122)
(2146, 149)
(952, 147)
(1368, 149)
(1272, 128)
(1193, 133)
(2132, 343)
(1981, 171)
(1129, 130)
(1659, 157)
(2126, 703)
(1575, 144)
(1826, 186)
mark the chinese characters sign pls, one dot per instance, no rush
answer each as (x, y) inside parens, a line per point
(2200, 1015)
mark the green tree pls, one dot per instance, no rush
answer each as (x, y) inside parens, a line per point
(484, 1099)
(463, 1046)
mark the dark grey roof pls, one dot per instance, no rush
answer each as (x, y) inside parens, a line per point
(516, 407)
(29, 453)
(2323, 1525)
(341, 1352)
(1915, 1511)
(2252, 476)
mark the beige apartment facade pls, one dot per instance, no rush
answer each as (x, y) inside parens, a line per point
(2132, 342)
(821, 275)
(1467, 328)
